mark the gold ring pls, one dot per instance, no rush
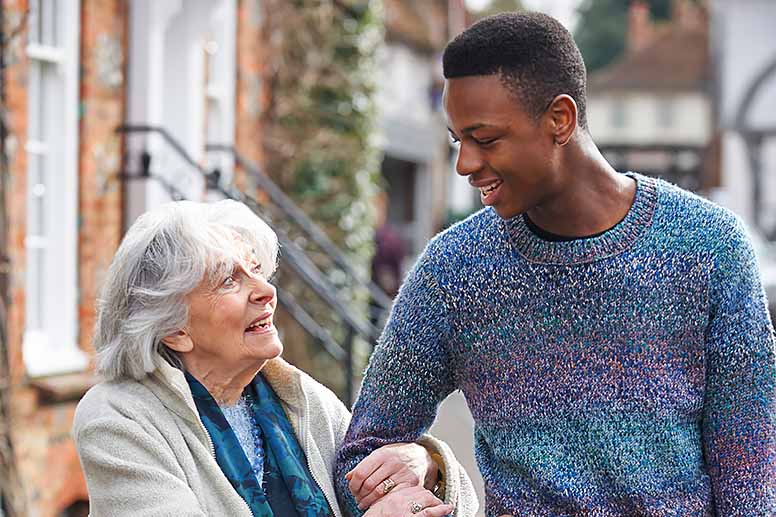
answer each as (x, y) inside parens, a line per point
(388, 484)
(416, 507)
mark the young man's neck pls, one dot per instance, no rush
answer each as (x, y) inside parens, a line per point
(593, 196)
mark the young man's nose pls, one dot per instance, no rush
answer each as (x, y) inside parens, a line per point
(469, 160)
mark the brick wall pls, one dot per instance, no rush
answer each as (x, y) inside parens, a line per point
(103, 59)
(46, 455)
(252, 95)
(47, 459)
(16, 98)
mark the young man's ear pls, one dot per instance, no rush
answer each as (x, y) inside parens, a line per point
(179, 341)
(563, 118)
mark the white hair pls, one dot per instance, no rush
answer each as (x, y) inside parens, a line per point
(164, 256)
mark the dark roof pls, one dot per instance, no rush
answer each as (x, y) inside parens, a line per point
(678, 60)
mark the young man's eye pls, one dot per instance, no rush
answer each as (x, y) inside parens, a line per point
(485, 141)
(454, 139)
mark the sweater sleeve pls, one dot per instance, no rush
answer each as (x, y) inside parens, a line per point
(407, 378)
(131, 473)
(739, 431)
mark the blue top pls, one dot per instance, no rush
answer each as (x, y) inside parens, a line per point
(243, 425)
(631, 373)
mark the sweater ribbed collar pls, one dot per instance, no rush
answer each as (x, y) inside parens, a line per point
(580, 251)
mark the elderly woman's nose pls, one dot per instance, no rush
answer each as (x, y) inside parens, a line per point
(263, 292)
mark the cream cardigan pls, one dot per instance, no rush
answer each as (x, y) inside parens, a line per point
(145, 452)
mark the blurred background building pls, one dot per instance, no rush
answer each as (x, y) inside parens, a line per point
(651, 109)
(327, 111)
(744, 53)
(415, 158)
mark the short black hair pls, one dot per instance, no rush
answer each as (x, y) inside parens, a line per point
(533, 53)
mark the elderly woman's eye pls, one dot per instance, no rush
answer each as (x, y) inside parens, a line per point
(256, 269)
(228, 281)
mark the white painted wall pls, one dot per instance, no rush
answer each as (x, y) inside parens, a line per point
(745, 43)
(735, 191)
(222, 84)
(405, 81)
(690, 115)
(412, 130)
(167, 88)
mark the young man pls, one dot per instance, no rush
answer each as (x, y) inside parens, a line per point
(608, 330)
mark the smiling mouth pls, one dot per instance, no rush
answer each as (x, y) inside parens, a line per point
(487, 189)
(262, 324)
(488, 194)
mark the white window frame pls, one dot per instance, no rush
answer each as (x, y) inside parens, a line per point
(52, 347)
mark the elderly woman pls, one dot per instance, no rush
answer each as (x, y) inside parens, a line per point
(198, 415)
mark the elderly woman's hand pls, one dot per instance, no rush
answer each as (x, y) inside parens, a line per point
(409, 501)
(391, 467)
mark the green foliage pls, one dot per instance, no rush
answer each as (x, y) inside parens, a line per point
(322, 121)
(321, 144)
(601, 28)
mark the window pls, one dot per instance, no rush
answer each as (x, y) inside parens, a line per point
(50, 337)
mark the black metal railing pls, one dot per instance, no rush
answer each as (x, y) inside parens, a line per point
(294, 256)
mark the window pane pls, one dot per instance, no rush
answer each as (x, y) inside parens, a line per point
(35, 21)
(44, 86)
(49, 30)
(36, 263)
(49, 84)
(34, 128)
(44, 22)
(211, 60)
(38, 208)
(36, 188)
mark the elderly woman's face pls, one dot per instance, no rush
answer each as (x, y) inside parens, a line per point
(230, 320)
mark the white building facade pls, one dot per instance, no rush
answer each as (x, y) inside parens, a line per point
(744, 48)
(182, 71)
(652, 111)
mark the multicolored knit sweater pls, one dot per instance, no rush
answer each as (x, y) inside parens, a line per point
(627, 374)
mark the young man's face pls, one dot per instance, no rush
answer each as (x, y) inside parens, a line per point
(504, 152)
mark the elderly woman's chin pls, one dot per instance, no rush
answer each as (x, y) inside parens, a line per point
(264, 344)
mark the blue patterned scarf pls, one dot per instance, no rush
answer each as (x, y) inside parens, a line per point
(288, 489)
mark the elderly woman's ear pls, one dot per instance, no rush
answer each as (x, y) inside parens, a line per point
(179, 341)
